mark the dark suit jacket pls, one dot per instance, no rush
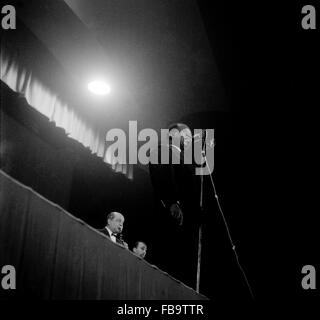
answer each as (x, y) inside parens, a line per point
(105, 231)
(172, 183)
(176, 182)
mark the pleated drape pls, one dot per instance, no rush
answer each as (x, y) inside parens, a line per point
(58, 256)
(21, 80)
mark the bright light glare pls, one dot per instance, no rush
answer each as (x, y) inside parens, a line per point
(99, 87)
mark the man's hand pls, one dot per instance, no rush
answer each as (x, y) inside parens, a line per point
(177, 213)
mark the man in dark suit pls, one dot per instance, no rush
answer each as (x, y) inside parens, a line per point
(114, 227)
(176, 189)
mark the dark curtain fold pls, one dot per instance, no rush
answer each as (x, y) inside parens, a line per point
(57, 256)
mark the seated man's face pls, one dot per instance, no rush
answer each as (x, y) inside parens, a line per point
(116, 224)
(140, 250)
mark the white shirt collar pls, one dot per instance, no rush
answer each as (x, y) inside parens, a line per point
(112, 237)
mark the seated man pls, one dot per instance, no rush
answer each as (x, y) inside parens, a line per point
(140, 249)
(114, 227)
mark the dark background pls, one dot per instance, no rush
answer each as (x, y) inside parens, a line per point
(270, 69)
(266, 160)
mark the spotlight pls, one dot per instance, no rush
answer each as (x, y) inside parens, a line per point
(99, 88)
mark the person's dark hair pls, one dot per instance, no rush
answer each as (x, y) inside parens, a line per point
(178, 125)
(137, 243)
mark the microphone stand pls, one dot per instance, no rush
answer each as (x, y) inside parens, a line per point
(227, 228)
(200, 227)
(200, 235)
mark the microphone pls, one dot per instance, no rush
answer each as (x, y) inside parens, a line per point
(120, 237)
(122, 242)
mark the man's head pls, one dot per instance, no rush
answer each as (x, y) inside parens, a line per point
(182, 132)
(140, 249)
(115, 221)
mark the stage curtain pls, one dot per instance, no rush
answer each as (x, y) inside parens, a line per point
(58, 256)
(22, 80)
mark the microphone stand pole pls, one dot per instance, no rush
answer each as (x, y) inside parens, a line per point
(201, 217)
(200, 235)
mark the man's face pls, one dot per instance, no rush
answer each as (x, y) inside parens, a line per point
(116, 223)
(140, 250)
(187, 137)
(184, 136)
